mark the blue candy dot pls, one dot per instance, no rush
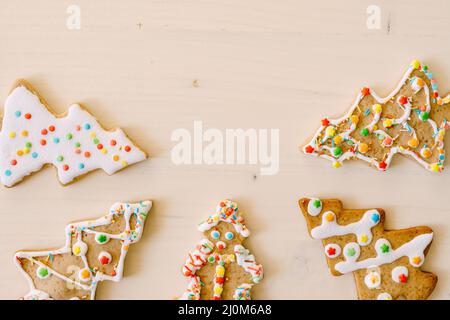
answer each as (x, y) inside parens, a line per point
(34, 155)
(7, 173)
(56, 140)
(375, 217)
(81, 166)
(18, 113)
(87, 126)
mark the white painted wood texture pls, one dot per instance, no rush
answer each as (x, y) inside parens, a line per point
(258, 64)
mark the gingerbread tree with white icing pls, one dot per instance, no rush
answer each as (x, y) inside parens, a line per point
(412, 121)
(385, 264)
(32, 136)
(94, 251)
(220, 267)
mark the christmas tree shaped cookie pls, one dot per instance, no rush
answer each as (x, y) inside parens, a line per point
(220, 267)
(94, 251)
(31, 137)
(411, 121)
(385, 264)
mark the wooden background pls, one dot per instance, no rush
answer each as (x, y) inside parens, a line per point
(258, 64)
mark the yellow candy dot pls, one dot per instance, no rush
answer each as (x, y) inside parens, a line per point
(124, 163)
(104, 151)
(413, 143)
(337, 164)
(220, 271)
(387, 123)
(364, 238)
(218, 290)
(92, 134)
(363, 147)
(330, 131)
(435, 167)
(24, 133)
(419, 82)
(377, 108)
(416, 260)
(12, 135)
(439, 101)
(76, 250)
(329, 217)
(19, 153)
(415, 64)
(354, 119)
(116, 157)
(27, 151)
(337, 140)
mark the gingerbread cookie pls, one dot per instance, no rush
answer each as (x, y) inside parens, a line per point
(411, 121)
(220, 267)
(32, 136)
(94, 251)
(385, 264)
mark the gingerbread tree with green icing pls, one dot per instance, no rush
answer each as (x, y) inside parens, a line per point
(385, 264)
(412, 121)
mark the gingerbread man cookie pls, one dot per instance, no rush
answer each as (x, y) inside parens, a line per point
(385, 264)
(31, 137)
(412, 121)
(94, 251)
(220, 267)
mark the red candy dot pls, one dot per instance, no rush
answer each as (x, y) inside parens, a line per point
(325, 122)
(309, 149)
(331, 251)
(51, 128)
(436, 94)
(44, 132)
(127, 148)
(402, 278)
(87, 154)
(383, 165)
(77, 151)
(99, 146)
(78, 127)
(222, 204)
(365, 91)
(43, 142)
(104, 260)
(113, 142)
(219, 280)
(13, 162)
(65, 167)
(28, 116)
(403, 100)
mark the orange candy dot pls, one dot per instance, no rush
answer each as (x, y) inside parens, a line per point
(51, 128)
(43, 142)
(127, 148)
(116, 157)
(113, 142)
(13, 162)
(28, 116)
(87, 154)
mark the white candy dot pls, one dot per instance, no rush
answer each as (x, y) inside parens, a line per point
(372, 280)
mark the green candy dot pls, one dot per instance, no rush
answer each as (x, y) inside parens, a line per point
(316, 203)
(28, 145)
(337, 151)
(59, 158)
(102, 238)
(211, 259)
(365, 132)
(424, 116)
(351, 252)
(96, 141)
(43, 272)
(77, 144)
(384, 248)
(69, 136)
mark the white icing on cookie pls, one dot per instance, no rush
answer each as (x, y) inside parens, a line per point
(361, 228)
(333, 250)
(384, 296)
(314, 207)
(372, 279)
(413, 249)
(400, 274)
(89, 280)
(75, 144)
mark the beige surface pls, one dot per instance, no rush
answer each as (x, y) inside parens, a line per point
(259, 64)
